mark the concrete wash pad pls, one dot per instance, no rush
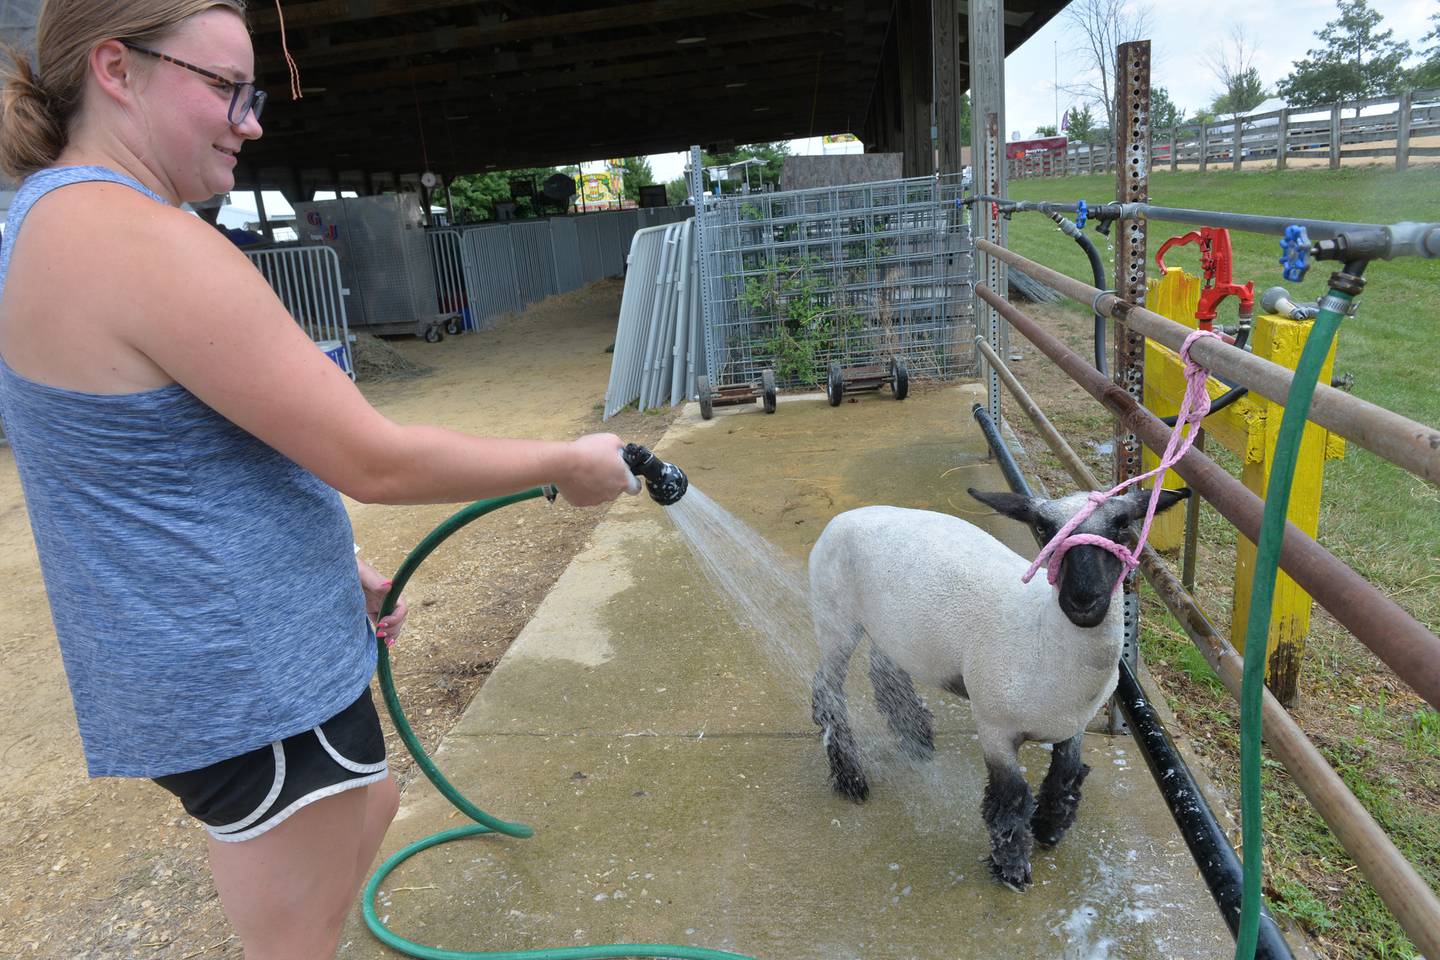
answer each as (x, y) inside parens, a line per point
(666, 758)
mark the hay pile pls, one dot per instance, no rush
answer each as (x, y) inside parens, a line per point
(374, 359)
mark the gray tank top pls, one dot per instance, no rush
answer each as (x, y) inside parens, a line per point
(203, 586)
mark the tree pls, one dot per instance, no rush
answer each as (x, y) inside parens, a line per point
(676, 191)
(1079, 123)
(475, 195)
(1102, 25)
(1233, 64)
(1164, 113)
(1246, 94)
(1355, 60)
(636, 173)
(966, 118)
(1048, 131)
(1427, 75)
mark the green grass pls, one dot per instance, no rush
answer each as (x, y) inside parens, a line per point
(1375, 517)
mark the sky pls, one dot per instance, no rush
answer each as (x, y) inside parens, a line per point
(1179, 48)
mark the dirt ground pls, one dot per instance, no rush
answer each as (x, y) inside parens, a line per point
(113, 868)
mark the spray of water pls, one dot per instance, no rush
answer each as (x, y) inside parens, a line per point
(768, 592)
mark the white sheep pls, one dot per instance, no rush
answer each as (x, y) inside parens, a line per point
(942, 602)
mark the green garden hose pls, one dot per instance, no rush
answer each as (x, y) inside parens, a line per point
(484, 822)
(1344, 287)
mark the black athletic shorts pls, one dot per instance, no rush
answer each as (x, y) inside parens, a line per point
(240, 798)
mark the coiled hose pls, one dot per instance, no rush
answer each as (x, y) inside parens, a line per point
(484, 822)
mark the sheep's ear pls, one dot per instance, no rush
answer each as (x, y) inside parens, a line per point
(1013, 505)
(1140, 499)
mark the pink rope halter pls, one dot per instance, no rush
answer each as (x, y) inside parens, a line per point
(1193, 408)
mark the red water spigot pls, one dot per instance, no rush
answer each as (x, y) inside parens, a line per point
(1215, 264)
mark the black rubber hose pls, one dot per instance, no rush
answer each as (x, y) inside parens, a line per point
(1098, 269)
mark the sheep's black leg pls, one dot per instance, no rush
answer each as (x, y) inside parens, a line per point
(1007, 808)
(830, 714)
(907, 716)
(1060, 793)
(827, 703)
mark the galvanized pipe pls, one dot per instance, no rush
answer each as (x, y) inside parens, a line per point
(1409, 649)
(1402, 441)
(1403, 891)
(1379, 241)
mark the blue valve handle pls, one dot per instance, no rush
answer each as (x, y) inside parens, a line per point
(1080, 214)
(1295, 253)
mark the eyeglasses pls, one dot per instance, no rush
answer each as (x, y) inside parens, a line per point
(245, 98)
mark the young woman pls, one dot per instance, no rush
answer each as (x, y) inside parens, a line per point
(180, 442)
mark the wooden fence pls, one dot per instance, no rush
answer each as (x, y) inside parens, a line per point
(1320, 136)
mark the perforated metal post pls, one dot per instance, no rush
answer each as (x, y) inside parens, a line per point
(1132, 185)
(702, 252)
(987, 94)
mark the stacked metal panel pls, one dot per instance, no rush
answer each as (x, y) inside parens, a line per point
(889, 264)
(659, 349)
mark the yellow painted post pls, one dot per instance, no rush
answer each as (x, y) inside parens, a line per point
(1280, 341)
(1176, 296)
(1249, 428)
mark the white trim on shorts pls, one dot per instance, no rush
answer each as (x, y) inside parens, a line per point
(345, 762)
(237, 832)
(259, 811)
(309, 798)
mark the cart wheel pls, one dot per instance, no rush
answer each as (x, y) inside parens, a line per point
(899, 379)
(702, 384)
(433, 334)
(767, 390)
(835, 385)
(452, 326)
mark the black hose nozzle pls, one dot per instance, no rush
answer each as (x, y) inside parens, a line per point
(666, 482)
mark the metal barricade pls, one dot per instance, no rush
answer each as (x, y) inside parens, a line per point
(452, 290)
(565, 250)
(307, 281)
(489, 261)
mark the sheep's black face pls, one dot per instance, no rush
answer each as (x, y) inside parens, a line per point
(1089, 574)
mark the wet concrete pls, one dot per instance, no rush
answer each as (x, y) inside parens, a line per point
(666, 757)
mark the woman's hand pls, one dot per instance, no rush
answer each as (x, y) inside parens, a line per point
(376, 587)
(597, 472)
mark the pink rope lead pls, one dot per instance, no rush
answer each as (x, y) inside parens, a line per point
(1193, 408)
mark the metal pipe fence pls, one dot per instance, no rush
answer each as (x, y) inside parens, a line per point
(307, 281)
(853, 274)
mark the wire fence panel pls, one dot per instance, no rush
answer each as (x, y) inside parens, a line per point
(854, 274)
(307, 281)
